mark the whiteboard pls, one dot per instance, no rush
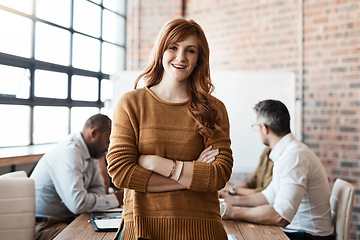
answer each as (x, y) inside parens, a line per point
(239, 91)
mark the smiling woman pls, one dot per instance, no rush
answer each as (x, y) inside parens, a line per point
(179, 61)
(170, 145)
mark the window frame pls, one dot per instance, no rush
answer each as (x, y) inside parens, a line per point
(33, 64)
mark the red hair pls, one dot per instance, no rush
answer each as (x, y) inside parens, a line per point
(201, 106)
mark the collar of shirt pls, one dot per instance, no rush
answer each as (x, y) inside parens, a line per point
(83, 148)
(280, 147)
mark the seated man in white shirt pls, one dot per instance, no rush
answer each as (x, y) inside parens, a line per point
(258, 181)
(68, 179)
(297, 198)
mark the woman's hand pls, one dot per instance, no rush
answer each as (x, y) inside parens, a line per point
(208, 155)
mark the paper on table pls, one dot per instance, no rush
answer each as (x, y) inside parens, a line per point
(231, 237)
(107, 223)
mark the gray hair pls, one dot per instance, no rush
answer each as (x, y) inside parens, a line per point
(274, 115)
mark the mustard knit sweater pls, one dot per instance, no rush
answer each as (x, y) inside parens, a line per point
(145, 124)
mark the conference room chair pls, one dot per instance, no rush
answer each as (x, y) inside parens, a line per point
(341, 201)
(17, 206)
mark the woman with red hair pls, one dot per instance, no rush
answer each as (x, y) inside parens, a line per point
(170, 145)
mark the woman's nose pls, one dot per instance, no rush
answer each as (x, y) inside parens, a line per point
(180, 55)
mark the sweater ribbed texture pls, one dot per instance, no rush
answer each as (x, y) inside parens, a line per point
(176, 229)
(144, 124)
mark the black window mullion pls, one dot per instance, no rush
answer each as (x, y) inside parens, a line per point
(31, 102)
(32, 76)
(31, 129)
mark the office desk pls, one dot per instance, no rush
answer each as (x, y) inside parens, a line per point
(82, 229)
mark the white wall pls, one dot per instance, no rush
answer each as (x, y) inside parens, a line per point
(240, 91)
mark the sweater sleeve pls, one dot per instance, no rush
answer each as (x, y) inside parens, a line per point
(123, 149)
(213, 177)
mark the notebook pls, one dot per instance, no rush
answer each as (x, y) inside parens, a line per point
(107, 221)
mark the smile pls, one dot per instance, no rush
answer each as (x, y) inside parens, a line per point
(179, 66)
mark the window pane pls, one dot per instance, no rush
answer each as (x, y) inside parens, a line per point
(50, 124)
(113, 28)
(86, 53)
(51, 84)
(52, 44)
(113, 58)
(118, 6)
(79, 115)
(54, 11)
(24, 6)
(14, 125)
(15, 81)
(106, 90)
(15, 37)
(87, 17)
(84, 88)
(106, 110)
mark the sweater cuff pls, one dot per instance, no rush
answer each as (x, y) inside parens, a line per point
(139, 179)
(200, 178)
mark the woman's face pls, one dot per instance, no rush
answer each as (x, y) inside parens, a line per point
(180, 58)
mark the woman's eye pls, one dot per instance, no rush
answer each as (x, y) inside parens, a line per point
(172, 48)
(190, 51)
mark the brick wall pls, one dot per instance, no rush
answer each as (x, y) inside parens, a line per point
(268, 35)
(332, 90)
(145, 19)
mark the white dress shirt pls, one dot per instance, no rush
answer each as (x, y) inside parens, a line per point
(69, 182)
(299, 190)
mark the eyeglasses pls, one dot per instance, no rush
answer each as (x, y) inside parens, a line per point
(256, 126)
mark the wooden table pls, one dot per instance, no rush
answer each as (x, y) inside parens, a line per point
(81, 228)
(250, 231)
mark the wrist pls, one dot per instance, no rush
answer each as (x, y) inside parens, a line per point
(162, 166)
(178, 170)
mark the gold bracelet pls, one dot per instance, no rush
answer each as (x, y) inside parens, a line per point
(172, 169)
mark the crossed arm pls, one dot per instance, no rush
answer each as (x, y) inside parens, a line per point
(164, 177)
